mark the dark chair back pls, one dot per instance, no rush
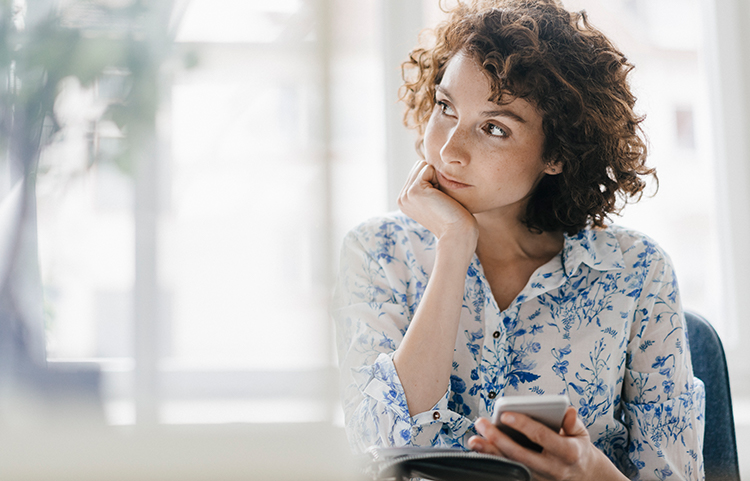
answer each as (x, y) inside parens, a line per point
(710, 366)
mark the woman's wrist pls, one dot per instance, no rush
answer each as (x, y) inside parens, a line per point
(461, 243)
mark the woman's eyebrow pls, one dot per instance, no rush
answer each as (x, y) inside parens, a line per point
(442, 90)
(503, 112)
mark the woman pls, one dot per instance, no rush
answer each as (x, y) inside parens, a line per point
(500, 276)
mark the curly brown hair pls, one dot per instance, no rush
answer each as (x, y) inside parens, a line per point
(577, 79)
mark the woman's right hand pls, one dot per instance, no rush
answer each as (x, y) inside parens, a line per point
(423, 201)
(424, 360)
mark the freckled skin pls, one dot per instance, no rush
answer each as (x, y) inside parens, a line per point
(498, 156)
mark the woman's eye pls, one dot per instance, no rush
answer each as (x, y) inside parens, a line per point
(445, 108)
(496, 131)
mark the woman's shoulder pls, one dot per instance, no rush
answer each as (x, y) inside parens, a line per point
(629, 238)
(390, 225)
(390, 230)
(612, 247)
(637, 248)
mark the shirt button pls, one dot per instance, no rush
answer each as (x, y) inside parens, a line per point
(496, 334)
(436, 415)
(492, 394)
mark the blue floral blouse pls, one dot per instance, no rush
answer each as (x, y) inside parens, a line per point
(600, 322)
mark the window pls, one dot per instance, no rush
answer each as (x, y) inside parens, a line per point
(252, 139)
(684, 127)
(283, 136)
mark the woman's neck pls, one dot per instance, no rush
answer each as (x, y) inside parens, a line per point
(510, 241)
(510, 253)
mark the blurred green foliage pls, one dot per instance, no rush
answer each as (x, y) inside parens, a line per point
(48, 41)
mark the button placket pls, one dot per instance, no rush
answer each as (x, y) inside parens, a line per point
(496, 338)
(495, 345)
(502, 336)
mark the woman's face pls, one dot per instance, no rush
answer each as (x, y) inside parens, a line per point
(487, 156)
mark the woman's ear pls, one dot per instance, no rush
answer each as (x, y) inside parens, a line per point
(553, 168)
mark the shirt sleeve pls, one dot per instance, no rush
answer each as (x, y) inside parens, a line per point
(662, 403)
(371, 315)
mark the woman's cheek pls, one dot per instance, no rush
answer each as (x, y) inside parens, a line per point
(432, 143)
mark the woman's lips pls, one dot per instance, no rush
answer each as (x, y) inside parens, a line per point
(450, 183)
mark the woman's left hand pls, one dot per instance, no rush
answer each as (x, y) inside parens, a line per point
(567, 455)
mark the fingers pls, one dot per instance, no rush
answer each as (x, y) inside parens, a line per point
(482, 445)
(497, 442)
(557, 449)
(566, 455)
(554, 444)
(421, 178)
(491, 440)
(428, 175)
(422, 200)
(508, 446)
(572, 424)
(415, 171)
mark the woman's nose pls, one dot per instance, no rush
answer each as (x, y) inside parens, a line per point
(456, 145)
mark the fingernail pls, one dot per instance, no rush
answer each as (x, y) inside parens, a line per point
(508, 418)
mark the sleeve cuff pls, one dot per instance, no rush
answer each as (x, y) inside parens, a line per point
(380, 381)
(436, 427)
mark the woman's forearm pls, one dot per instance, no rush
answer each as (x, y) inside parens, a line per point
(425, 357)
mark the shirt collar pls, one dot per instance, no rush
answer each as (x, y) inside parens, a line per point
(597, 248)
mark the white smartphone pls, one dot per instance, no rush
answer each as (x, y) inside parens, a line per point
(548, 410)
